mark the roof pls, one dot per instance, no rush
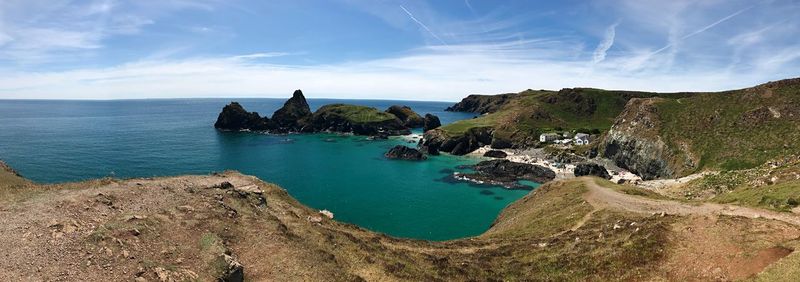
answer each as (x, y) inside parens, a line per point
(581, 135)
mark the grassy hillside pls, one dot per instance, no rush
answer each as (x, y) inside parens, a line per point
(355, 114)
(530, 113)
(734, 129)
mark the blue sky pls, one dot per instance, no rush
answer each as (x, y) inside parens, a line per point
(388, 49)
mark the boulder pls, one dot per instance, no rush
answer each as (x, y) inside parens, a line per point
(406, 115)
(430, 122)
(591, 169)
(401, 152)
(495, 154)
(234, 117)
(292, 116)
(233, 272)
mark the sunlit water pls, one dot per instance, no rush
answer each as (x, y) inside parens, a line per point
(57, 141)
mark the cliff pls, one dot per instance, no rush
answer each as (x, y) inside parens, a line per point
(409, 118)
(292, 116)
(481, 104)
(739, 129)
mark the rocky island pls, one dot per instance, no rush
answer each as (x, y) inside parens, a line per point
(296, 117)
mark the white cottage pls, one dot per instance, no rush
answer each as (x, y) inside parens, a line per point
(548, 137)
(581, 139)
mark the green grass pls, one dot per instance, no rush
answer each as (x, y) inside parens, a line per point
(780, 197)
(733, 130)
(531, 113)
(357, 114)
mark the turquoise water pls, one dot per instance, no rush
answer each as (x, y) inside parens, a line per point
(57, 141)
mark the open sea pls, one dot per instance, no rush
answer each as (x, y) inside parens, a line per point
(58, 141)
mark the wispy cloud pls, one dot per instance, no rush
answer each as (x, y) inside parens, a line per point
(701, 30)
(608, 41)
(410, 15)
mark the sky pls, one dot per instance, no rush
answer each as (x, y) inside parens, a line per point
(437, 50)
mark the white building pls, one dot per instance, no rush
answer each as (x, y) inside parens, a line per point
(548, 137)
(581, 139)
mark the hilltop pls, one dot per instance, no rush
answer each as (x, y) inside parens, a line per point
(231, 226)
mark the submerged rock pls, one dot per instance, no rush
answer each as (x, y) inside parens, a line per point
(495, 154)
(235, 117)
(584, 169)
(401, 152)
(406, 115)
(508, 173)
(430, 122)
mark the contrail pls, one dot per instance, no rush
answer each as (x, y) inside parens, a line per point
(422, 25)
(696, 32)
(608, 41)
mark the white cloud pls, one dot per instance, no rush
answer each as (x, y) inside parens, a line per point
(608, 41)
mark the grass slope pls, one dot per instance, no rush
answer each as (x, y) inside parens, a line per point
(531, 113)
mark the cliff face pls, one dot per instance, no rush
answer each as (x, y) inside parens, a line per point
(435, 141)
(634, 141)
(481, 104)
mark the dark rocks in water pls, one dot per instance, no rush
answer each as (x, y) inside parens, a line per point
(235, 117)
(435, 141)
(495, 154)
(431, 122)
(406, 115)
(401, 152)
(508, 173)
(591, 169)
(481, 103)
(292, 116)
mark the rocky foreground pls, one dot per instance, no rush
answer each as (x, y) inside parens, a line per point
(231, 227)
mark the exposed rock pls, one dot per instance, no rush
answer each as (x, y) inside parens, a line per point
(474, 138)
(500, 143)
(234, 271)
(481, 103)
(592, 169)
(431, 122)
(495, 154)
(634, 143)
(507, 173)
(235, 117)
(292, 116)
(405, 153)
(406, 115)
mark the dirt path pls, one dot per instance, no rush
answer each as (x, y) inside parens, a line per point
(601, 197)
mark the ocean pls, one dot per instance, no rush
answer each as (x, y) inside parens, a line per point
(50, 141)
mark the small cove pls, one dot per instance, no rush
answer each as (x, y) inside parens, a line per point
(57, 141)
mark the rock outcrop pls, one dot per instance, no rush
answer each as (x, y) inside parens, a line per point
(234, 117)
(292, 117)
(430, 122)
(296, 116)
(591, 169)
(508, 173)
(401, 152)
(406, 115)
(634, 142)
(495, 154)
(437, 140)
(481, 103)
(358, 120)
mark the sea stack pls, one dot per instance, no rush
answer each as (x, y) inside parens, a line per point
(294, 113)
(234, 117)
